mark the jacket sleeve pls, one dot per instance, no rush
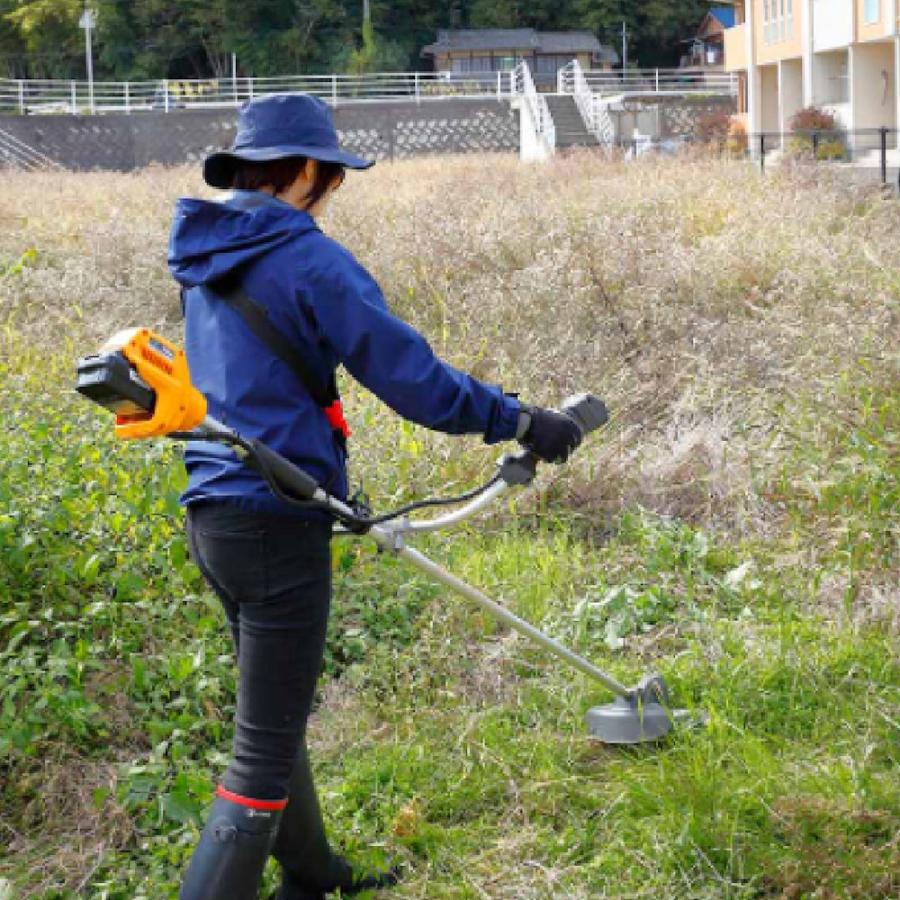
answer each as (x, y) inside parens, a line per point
(396, 363)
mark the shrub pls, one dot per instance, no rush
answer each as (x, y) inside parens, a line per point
(817, 134)
(737, 138)
(713, 127)
(834, 148)
(813, 119)
(824, 148)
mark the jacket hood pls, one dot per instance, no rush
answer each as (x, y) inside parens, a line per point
(211, 239)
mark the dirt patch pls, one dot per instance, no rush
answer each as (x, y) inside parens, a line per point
(838, 852)
(71, 821)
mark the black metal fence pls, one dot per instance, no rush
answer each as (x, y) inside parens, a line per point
(866, 152)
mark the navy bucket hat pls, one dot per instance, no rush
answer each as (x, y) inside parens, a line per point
(278, 127)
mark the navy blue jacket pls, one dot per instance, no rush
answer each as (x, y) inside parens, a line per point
(321, 298)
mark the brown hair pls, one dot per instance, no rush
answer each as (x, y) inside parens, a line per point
(280, 174)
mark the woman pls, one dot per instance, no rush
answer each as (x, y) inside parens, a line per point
(272, 307)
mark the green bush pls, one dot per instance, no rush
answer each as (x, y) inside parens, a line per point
(825, 148)
(816, 133)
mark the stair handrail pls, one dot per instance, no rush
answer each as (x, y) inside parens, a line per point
(593, 108)
(522, 85)
(24, 155)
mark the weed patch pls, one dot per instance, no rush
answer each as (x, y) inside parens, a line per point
(735, 526)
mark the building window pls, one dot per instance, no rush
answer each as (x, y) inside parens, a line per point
(463, 65)
(550, 64)
(872, 12)
(778, 20)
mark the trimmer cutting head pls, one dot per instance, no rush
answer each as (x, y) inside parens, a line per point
(643, 716)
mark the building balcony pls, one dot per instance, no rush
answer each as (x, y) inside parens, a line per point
(736, 49)
(832, 24)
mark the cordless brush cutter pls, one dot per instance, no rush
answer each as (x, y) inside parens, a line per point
(144, 380)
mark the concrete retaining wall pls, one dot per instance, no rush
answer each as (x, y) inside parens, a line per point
(663, 118)
(376, 130)
(388, 130)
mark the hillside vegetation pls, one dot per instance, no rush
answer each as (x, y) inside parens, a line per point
(735, 526)
(186, 39)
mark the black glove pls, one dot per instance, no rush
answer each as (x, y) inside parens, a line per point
(552, 436)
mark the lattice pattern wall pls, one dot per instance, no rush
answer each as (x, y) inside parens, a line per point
(375, 130)
(682, 119)
(405, 130)
(662, 118)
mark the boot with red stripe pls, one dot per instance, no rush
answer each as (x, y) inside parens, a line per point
(229, 860)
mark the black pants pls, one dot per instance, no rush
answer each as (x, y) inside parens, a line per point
(273, 576)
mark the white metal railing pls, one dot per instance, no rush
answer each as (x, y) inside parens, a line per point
(522, 85)
(592, 106)
(52, 96)
(19, 155)
(49, 96)
(661, 81)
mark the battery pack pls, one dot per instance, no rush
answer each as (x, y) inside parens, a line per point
(109, 380)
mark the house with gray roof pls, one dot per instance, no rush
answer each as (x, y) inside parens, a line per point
(480, 52)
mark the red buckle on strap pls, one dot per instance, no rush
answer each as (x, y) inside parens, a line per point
(335, 416)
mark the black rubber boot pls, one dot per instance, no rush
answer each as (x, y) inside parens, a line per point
(310, 870)
(229, 860)
(350, 884)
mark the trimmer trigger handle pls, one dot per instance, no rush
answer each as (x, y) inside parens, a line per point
(518, 469)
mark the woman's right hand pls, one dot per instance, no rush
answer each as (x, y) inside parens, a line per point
(552, 436)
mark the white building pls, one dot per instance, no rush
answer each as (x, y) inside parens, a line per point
(839, 55)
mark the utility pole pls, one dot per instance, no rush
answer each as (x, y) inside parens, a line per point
(87, 22)
(625, 36)
(367, 13)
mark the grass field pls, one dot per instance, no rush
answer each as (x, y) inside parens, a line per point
(735, 526)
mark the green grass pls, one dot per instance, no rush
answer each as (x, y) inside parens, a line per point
(458, 745)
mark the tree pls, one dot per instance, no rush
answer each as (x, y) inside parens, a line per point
(494, 14)
(13, 53)
(375, 54)
(315, 28)
(195, 38)
(49, 34)
(664, 24)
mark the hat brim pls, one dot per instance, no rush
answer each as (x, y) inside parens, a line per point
(218, 167)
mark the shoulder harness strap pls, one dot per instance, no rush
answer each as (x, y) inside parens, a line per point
(257, 320)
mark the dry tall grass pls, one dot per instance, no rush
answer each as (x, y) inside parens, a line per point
(694, 295)
(720, 314)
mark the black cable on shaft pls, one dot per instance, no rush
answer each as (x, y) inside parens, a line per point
(431, 502)
(351, 520)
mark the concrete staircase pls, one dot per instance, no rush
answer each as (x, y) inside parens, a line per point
(570, 130)
(16, 154)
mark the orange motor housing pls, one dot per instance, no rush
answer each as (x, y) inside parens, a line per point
(163, 366)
